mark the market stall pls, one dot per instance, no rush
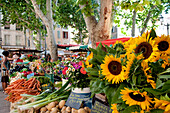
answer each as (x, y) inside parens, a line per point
(110, 42)
(125, 79)
(80, 48)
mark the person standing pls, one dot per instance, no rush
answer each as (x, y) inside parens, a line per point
(6, 67)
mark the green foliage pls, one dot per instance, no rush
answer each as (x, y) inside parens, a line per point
(67, 13)
(19, 12)
(142, 8)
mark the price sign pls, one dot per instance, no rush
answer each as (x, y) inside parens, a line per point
(100, 108)
(76, 99)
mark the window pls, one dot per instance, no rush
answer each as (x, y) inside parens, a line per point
(65, 35)
(7, 39)
(7, 26)
(59, 42)
(18, 40)
(28, 43)
(58, 34)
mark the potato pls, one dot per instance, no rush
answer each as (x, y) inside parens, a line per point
(57, 106)
(68, 109)
(63, 109)
(61, 103)
(51, 105)
(55, 109)
(87, 109)
(56, 102)
(47, 112)
(73, 110)
(43, 109)
(81, 110)
(42, 112)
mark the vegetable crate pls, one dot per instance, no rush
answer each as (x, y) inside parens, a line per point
(50, 76)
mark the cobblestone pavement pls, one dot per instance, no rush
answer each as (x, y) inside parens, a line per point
(4, 105)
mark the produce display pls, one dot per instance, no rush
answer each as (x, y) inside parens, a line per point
(22, 86)
(31, 102)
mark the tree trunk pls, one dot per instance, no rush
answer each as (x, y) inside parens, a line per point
(48, 21)
(99, 31)
(134, 23)
(147, 20)
(50, 30)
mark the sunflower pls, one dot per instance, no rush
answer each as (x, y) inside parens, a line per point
(163, 44)
(113, 70)
(114, 108)
(166, 61)
(142, 44)
(136, 98)
(162, 104)
(149, 77)
(87, 60)
(128, 43)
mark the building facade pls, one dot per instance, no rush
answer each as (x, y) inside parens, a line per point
(13, 37)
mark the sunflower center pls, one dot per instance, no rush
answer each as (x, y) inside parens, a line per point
(137, 97)
(145, 48)
(115, 67)
(163, 45)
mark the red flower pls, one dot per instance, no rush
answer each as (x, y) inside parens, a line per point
(82, 70)
(64, 70)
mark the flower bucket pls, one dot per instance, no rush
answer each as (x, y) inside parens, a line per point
(64, 81)
(86, 93)
(79, 90)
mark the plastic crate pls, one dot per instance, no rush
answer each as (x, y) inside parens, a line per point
(50, 76)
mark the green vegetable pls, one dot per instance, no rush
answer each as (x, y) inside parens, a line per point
(46, 97)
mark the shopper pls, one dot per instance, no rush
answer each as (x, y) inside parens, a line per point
(48, 57)
(6, 68)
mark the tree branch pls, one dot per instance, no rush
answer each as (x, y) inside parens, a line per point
(39, 12)
(147, 19)
(133, 24)
(24, 20)
(29, 3)
(89, 20)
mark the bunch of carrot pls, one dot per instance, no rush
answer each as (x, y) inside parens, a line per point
(22, 86)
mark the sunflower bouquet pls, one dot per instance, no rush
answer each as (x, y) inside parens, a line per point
(134, 75)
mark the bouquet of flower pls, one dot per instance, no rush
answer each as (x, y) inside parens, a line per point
(75, 71)
(134, 75)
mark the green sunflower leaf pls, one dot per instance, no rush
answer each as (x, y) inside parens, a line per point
(110, 93)
(164, 76)
(89, 69)
(96, 87)
(117, 94)
(131, 109)
(110, 50)
(93, 50)
(152, 34)
(165, 89)
(159, 83)
(157, 111)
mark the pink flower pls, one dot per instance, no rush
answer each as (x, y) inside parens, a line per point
(80, 63)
